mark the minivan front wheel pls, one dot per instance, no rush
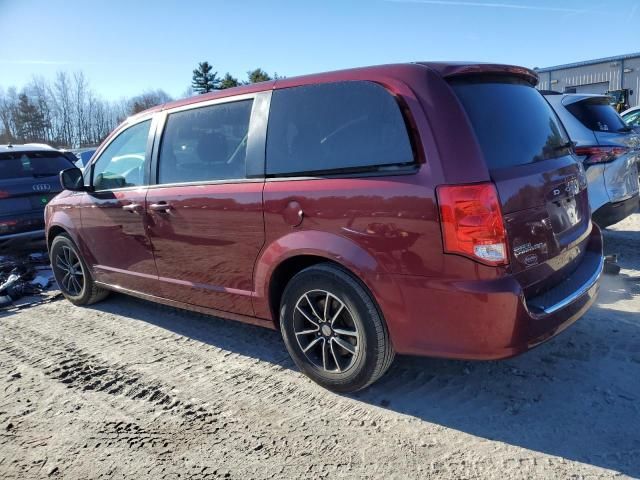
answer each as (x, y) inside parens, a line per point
(72, 274)
(333, 330)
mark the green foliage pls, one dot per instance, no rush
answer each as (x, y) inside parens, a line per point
(258, 75)
(29, 120)
(204, 80)
(228, 81)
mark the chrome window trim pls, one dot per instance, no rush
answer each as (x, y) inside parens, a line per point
(209, 103)
(205, 183)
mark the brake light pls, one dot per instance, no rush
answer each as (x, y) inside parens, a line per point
(472, 222)
(4, 194)
(600, 154)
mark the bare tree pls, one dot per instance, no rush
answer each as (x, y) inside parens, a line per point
(148, 99)
(62, 101)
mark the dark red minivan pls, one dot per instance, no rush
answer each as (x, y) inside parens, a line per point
(430, 208)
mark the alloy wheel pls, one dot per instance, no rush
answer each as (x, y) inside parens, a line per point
(70, 271)
(326, 331)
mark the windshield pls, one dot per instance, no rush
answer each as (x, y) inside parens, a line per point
(32, 164)
(513, 122)
(598, 115)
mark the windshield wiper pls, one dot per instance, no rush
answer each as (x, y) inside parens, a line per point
(40, 175)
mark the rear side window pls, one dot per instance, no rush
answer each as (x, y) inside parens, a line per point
(598, 115)
(512, 121)
(334, 127)
(32, 164)
(206, 143)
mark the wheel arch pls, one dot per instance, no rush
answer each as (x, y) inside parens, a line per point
(283, 259)
(53, 232)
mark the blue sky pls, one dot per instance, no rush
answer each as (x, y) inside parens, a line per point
(127, 46)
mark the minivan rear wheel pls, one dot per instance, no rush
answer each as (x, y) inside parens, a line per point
(72, 274)
(333, 329)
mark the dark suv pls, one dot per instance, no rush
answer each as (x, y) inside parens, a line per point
(28, 180)
(430, 208)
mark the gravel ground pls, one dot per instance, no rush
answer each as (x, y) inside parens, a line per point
(127, 388)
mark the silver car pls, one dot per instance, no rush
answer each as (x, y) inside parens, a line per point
(632, 117)
(609, 150)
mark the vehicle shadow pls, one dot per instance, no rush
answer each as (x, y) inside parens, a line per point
(575, 397)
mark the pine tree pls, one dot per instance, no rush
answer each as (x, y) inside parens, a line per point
(258, 75)
(204, 80)
(30, 121)
(228, 81)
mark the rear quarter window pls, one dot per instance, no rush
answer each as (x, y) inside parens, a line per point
(333, 127)
(598, 115)
(513, 123)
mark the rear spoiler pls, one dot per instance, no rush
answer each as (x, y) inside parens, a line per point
(449, 70)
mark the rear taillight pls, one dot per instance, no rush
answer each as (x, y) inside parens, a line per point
(7, 225)
(4, 194)
(472, 222)
(600, 154)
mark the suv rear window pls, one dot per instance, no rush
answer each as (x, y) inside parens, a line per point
(333, 127)
(32, 164)
(512, 121)
(598, 115)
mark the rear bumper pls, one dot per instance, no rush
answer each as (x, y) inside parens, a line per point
(611, 213)
(489, 319)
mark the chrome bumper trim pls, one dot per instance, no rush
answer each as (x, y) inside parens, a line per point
(586, 286)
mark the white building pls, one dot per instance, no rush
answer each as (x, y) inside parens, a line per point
(595, 76)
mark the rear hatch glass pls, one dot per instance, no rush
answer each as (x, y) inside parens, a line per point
(597, 114)
(542, 188)
(32, 164)
(513, 123)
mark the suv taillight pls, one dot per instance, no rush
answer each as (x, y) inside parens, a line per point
(600, 154)
(472, 222)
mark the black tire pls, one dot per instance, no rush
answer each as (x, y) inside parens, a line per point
(343, 371)
(78, 292)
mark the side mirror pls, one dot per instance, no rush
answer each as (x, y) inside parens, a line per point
(71, 179)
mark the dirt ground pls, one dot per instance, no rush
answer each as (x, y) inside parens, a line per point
(131, 389)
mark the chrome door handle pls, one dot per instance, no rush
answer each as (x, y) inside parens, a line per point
(162, 207)
(132, 207)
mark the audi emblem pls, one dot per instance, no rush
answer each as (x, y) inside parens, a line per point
(41, 187)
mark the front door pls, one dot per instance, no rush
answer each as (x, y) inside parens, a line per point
(114, 218)
(205, 215)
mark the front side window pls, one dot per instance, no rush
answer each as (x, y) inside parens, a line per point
(121, 164)
(335, 127)
(205, 144)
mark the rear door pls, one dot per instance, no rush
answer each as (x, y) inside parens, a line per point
(28, 180)
(205, 210)
(541, 186)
